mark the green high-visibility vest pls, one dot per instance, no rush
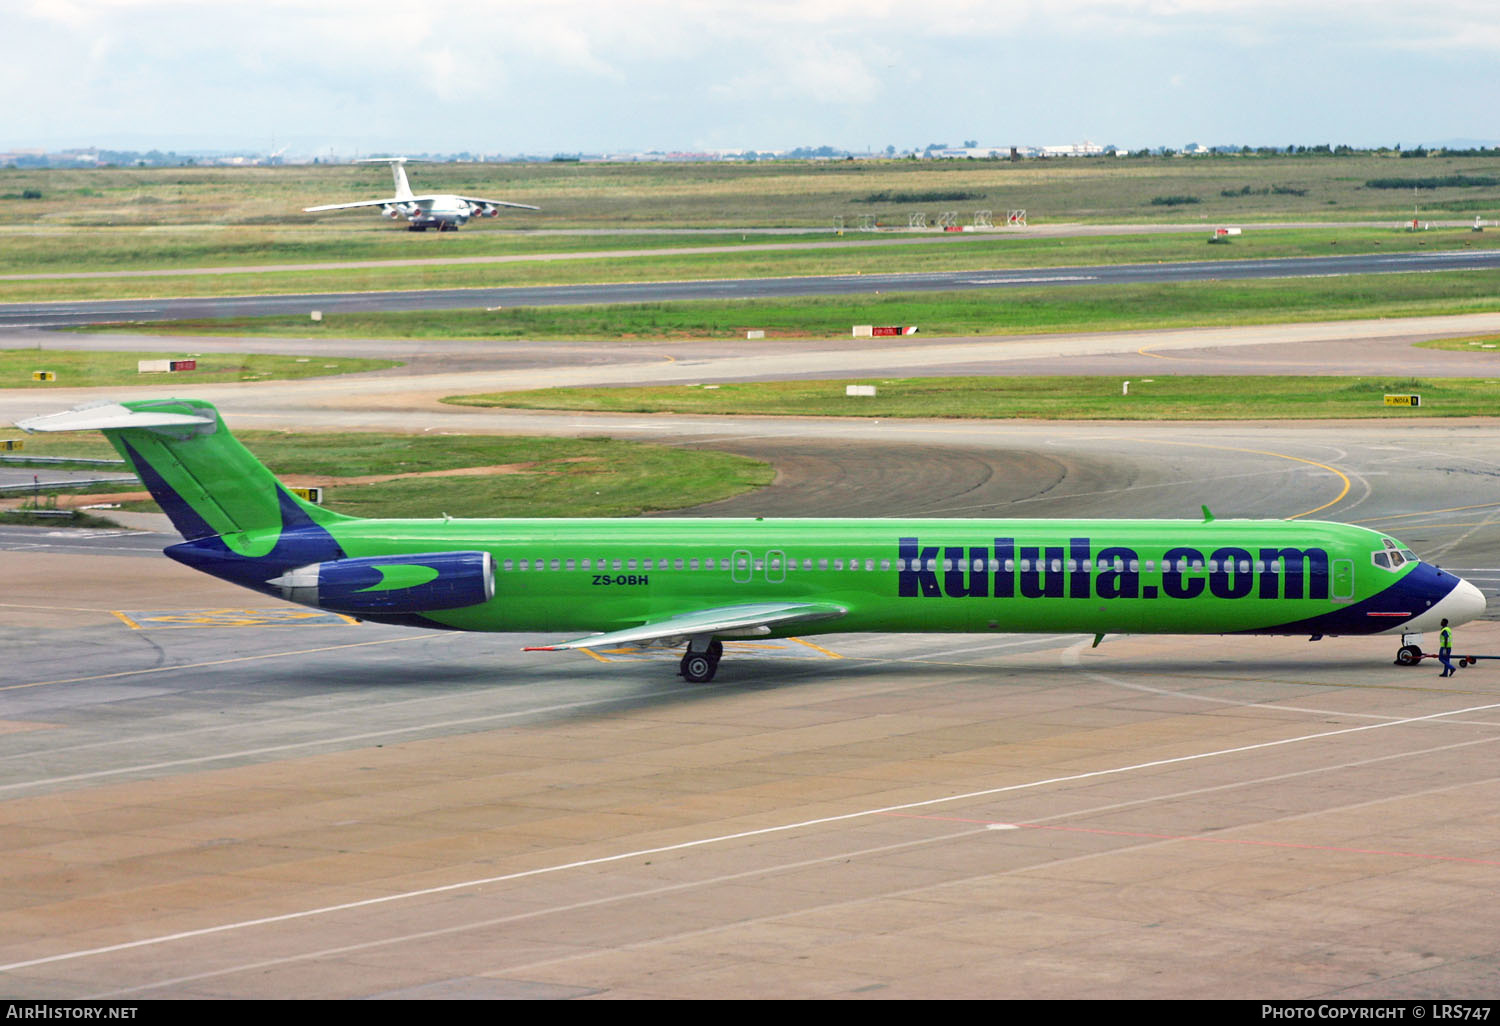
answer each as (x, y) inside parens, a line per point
(1445, 638)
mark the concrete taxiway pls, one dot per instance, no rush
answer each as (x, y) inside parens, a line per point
(204, 794)
(408, 398)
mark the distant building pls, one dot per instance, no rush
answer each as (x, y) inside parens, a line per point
(1083, 149)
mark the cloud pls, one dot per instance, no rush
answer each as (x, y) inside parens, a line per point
(589, 74)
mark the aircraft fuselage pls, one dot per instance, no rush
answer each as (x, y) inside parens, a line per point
(1091, 576)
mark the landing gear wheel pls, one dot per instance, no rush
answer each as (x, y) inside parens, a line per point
(716, 650)
(698, 667)
(1408, 655)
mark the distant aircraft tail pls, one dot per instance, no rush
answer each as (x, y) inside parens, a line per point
(398, 174)
(239, 522)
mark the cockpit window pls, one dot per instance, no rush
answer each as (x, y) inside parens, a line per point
(1395, 555)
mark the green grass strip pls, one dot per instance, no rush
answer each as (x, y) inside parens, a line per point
(73, 369)
(1036, 398)
(537, 477)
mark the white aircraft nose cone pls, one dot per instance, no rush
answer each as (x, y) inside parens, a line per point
(1467, 603)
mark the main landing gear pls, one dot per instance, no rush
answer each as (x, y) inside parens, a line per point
(700, 664)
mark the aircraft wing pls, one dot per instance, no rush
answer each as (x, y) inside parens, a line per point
(758, 618)
(493, 203)
(360, 203)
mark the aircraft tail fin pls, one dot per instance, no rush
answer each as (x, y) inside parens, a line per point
(403, 187)
(398, 174)
(201, 476)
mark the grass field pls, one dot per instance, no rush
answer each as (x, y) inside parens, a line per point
(111, 250)
(1009, 312)
(175, 219)
(792, 193)
(535, 477)
(1168, 397)
(90, 369)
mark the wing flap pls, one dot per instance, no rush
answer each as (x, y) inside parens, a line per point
(727, 620)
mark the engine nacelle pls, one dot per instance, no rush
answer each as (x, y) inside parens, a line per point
(390, 211)
(488, 210)
(420, 583)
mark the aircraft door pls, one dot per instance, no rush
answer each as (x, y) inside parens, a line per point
(1343, 580)
(742, 566)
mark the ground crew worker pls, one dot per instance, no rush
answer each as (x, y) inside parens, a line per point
(1445, 650)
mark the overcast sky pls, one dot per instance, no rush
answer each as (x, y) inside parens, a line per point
(507, 76)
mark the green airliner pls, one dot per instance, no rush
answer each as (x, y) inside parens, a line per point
(694, 582)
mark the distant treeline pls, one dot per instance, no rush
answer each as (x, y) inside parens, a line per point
(1173, 201)
(1443, 182)
(1274, 190)
(929, 196)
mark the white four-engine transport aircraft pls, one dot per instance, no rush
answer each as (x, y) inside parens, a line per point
(442, 211)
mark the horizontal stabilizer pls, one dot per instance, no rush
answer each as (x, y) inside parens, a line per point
(728, 620)
(113, 416)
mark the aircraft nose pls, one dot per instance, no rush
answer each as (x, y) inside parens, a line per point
(1467, 603)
